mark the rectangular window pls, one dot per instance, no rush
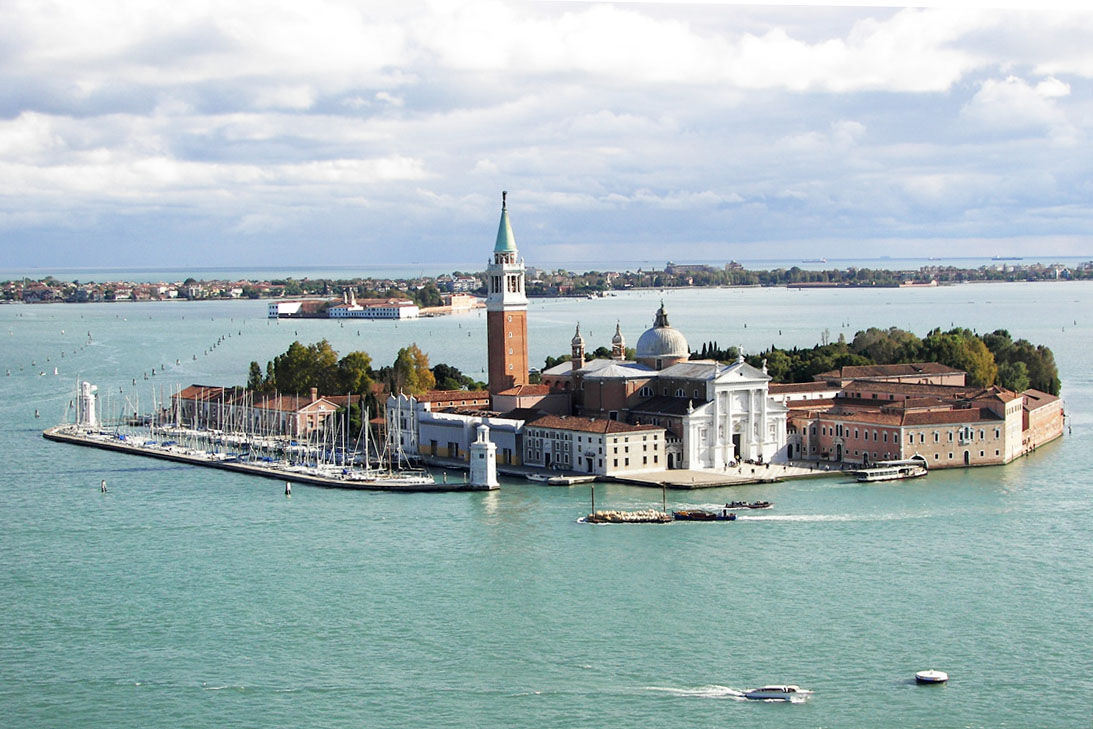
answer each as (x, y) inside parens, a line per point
(626, 462)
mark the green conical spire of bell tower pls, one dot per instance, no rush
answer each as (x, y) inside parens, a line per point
(506, 241)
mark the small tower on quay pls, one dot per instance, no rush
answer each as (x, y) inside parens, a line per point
(577, 350)
(484, 460)
(618, 345)
(506, 311)
(85, 405)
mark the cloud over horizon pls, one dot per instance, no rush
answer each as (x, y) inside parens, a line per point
(150, 133)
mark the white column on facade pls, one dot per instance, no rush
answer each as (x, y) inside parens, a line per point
(729, 422)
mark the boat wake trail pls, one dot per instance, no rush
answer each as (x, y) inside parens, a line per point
(701, 692)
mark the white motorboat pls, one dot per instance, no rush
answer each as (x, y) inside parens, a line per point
(538, 477)
(782, 692)
(931, 676)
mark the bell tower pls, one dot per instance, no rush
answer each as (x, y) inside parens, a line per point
(506, 311)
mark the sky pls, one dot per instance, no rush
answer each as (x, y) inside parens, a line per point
(269, 132)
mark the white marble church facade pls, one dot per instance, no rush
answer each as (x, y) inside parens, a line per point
(738, 422)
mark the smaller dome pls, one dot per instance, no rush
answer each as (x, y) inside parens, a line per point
(578, 340)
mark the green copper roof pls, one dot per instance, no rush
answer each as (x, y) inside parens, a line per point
(506, 241)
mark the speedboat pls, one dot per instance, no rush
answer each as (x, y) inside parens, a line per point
(537, 477)
(931, 677)
(777, 693)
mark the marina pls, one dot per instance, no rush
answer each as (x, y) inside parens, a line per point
(332, 477)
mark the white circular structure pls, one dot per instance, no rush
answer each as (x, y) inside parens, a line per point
(662, 345)
(931, 677)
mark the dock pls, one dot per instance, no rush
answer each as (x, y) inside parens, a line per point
(66, 434)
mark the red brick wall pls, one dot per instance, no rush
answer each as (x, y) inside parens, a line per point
(507, 333)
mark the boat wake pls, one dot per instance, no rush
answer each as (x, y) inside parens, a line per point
(701, 692)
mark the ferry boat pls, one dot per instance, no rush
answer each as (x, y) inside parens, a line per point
(913, 467)
(778, 693)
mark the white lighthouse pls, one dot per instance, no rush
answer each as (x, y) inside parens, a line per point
(484, 460)
(85, 405)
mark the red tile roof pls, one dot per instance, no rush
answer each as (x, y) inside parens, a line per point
(889, 370)
(588, 425)
(450, 396)
(1036, 399)
(526, 390)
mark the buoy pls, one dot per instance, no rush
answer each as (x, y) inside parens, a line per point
(288, 489)
(36, 413)
(931, 676)
(102, 486)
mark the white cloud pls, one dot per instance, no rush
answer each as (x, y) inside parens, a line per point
(620, 121)
(1013, 104)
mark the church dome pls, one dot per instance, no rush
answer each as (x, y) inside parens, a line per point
(662, 341)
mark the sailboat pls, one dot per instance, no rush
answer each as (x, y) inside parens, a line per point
(369, 477)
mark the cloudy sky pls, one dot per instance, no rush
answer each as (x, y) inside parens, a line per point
(213, 133)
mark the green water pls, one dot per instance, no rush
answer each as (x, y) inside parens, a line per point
(185, 597)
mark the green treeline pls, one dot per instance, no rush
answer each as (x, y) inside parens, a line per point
(989, 359)
(302, 367)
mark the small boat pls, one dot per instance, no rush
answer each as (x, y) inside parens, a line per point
(703, 515)
(537, 477)
(913, 467)
(751, 505)
(931, 676)
(777, 693)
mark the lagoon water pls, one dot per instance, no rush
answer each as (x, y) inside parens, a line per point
(186, 597)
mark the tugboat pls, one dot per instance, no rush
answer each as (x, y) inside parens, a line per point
(703, 515)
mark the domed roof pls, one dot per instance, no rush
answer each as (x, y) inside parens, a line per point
(578, 340)
(617, 339)
(662, 340)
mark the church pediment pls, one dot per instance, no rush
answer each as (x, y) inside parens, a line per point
(739, 372)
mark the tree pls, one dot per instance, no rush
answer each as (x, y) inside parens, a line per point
(1013, 376)
(962, 349)
(411, 371)
(254, 380)
(355, 373)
